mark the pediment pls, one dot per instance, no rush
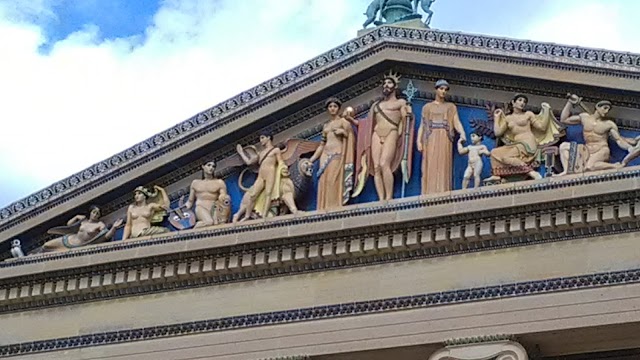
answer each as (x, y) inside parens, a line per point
(483, 69)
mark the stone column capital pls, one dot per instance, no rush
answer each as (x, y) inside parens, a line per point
(498, 350)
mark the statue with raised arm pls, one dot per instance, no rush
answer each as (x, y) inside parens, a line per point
(435, 139)
(336, 153)
(209, 195)
(594, 154)
(281, 177)
(259, 196)
(80, 231)
(148, 208)
(426, 7)
(381, 141)
(523, 134)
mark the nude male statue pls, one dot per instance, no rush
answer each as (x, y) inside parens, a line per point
(381, 140)
(260, 194)
(596, 128)
(205, 194)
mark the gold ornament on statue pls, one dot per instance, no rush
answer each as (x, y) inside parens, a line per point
(395, 77)
(349, 112)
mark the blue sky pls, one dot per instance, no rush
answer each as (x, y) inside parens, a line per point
(83, 79)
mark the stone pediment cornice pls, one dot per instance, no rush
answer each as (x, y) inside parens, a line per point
(496, 217)
(567, 58)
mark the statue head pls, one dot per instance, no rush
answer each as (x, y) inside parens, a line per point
(284, 172)
(442, 88)
(333, 105)
(603, 107)
(476, 138)
(265, 138)
(15, 243)
(519, 101)
(390, 83)
(141, 194)
(306, 167)
(94, 213)
(208, 168)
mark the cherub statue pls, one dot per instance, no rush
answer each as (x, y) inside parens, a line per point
(523, 134)
(210, 198)
(79, 231)
(475, 165)
(594, 154)
(272, 172)
(149, 208)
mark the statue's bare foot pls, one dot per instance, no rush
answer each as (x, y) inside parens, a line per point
(493, 178)
(535, 175)
(619, 165)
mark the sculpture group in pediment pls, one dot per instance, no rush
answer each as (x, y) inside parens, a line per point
(357, 157)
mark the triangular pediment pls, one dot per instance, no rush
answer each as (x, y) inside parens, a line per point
(292, 104)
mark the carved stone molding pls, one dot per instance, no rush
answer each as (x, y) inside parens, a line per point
(498, 350)
(529, 288)
(268, 256)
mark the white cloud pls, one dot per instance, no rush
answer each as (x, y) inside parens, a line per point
(596, 24)
(88, 99)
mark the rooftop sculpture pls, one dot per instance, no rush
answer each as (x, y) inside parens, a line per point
(381, 12)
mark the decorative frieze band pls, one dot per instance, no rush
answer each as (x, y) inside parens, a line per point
(430, 300)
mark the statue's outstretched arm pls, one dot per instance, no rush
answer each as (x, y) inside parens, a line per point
(499, 123)
(615, 135)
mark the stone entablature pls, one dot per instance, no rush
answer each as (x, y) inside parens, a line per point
(598, 62)
(504, 216)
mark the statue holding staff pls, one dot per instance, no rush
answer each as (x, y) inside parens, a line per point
(381, 142)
